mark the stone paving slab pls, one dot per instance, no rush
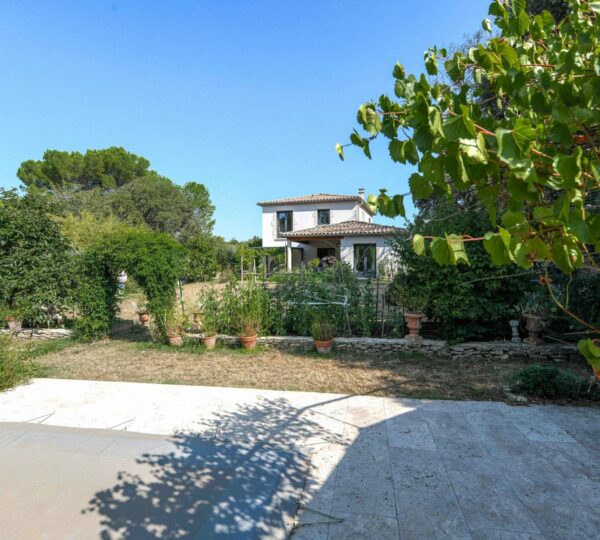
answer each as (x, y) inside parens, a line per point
(247, 463)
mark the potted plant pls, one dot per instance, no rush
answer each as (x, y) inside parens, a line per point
(13, 323)
(412, 299)
(534, 313)
(143, 315)
(322, 333)
(209, 330)
(173, 326)
(249, 326)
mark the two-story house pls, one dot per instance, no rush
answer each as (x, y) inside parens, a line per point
(324, 225)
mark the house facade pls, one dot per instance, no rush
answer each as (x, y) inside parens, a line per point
(325, 226)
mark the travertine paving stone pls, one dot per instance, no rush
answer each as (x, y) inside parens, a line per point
(245, 463)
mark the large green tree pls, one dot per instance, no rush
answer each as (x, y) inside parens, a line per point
(109, 168)
(536, 156)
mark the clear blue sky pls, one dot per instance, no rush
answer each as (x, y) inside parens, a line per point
(248, 97)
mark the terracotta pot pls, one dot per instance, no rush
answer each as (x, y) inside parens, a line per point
(144, 318)
(413, 323)
(534, 324)
(176, 340)
(324, 347)
(210, 342)
(596, 372)
(248, 342)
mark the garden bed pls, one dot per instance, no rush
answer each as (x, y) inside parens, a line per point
(407, 374)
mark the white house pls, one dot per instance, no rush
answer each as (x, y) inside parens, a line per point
(325, 225)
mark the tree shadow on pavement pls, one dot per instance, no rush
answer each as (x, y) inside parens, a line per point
(241, 475)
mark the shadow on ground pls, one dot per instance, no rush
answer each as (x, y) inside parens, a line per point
(240, 476)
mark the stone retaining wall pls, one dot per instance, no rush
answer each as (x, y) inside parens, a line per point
(39, 333)
(487, 350)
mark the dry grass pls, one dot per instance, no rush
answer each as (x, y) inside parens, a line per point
(394, 375)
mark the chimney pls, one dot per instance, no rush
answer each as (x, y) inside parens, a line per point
(361, 192)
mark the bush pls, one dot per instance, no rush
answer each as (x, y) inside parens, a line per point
(36, 261)
(14, 369)
(473, 301)
(153, 260)
(550, 382)
(201, 258)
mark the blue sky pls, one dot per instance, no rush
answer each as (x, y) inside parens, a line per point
(248, 97)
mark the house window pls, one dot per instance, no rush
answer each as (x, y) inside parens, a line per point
(284, 222)
(365, 259)
(323, 217)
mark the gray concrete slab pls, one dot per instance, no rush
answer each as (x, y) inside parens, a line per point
(238, 463)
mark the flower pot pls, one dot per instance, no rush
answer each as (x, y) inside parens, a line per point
(144, 318)
(534, 325)
(413, 323)
(596, 372)
(324, 346)
(176, 340)
(248, 342)
(210, 342)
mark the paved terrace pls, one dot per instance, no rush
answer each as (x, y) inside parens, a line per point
(84, 459)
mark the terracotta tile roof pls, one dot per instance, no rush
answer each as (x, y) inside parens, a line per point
(318, 198)
(345, 228)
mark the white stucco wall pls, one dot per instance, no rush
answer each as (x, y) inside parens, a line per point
(305, 217)
(384, 252)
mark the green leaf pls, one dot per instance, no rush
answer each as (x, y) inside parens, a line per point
(420, 187)
(569, 167)
(435, 121)
(441, 252)
(460, 127)
(474, 149)
(566, 254)
(423, 139)
(418, 243)
(514, 143)
(410, 152)
(518, 6)
(396, 149)
(456, 246)
(495, 246)
(589, 350)
(488, 195)
(340, 151)
(398, 206)
(398, 72)
(486, 24)
(368, 117)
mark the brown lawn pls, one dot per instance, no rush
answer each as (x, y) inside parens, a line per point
(393, 375)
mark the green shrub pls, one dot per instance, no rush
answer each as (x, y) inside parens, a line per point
(36, 261)
(550, 382)
(473, 301)
(14, 367)
(153, 260)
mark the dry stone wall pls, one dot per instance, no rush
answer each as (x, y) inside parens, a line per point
(490, 350)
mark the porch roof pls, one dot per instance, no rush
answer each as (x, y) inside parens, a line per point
(344, 228)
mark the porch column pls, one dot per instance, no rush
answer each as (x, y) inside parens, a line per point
(288, 255)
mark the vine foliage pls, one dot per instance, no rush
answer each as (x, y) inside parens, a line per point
(517, 120)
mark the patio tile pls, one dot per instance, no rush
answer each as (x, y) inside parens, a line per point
(363, 487)
(410, 430)
(536, 426)
(495, 534)
(371, 445)
(364, 527)
(564, 521)
(430, 514)
(418, 469)
(503, 440)
(487, 499)
(572, 460)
